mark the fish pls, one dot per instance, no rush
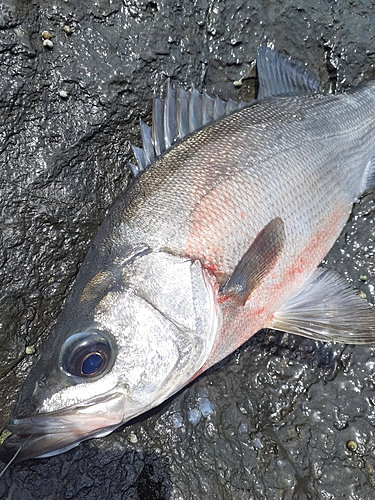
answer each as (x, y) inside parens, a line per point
(231, 210)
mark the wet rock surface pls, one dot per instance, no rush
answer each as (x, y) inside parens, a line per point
(283, 417)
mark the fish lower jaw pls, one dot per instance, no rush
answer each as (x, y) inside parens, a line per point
(48, 434)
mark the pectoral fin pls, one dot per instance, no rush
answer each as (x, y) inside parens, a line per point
(327, 309)
(257, 262)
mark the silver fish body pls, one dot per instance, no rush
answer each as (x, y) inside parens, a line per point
(218, 238)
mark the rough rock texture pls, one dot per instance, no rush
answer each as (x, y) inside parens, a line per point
(275, 420)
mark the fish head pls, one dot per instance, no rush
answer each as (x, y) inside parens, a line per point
(128, 338)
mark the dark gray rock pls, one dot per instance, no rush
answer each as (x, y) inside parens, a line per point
(274, 420)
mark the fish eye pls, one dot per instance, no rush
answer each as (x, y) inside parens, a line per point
(87, 355)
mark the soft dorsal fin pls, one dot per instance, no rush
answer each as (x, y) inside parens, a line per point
(259, 260)
(327, 308)
(279, 76)
(179, 114)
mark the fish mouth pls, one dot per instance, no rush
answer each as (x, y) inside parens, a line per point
(47, 434)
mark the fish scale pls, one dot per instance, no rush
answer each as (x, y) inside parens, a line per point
(175, 198)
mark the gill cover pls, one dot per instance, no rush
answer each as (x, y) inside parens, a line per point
(165, 321)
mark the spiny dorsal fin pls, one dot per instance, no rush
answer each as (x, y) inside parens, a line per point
(179, 114)
(279, 76)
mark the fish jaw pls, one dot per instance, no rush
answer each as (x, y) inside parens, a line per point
(48, 434)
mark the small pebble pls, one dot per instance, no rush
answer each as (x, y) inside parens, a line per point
(244, 427)
(257, 443)
(351, 445)
(133, 438)
(30, 349)
(68, 30)
(47, 43)
(281, 464)
(63, 94)
(205, 407)
(46, 35)
(177, 420)
(194, 416)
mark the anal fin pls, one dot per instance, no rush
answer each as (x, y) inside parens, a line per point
(327, 308)
(257, 262)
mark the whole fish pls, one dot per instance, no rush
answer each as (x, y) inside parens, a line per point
(232, 208)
